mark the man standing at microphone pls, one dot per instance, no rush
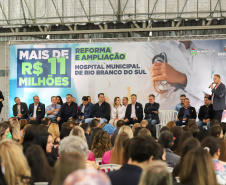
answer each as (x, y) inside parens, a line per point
(218, 97)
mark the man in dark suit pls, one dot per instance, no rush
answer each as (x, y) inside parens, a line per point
(20, 109)
(151, 110)
(141, 151)
(36, 110)
(218, 97)
(187, 112)
(85, 110)
(205, 114)
(1, 100)
(134, 111)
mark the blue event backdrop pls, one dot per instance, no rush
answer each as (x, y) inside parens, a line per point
(116, 69)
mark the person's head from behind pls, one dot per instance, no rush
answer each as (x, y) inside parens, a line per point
(211, 145)
(101, 97)
(188, 145)
(17, 100)
(186, 103)
(54, 100)
(36, 99)
(117, 152)
(78, 131)
(216, 78)
(13, 161)
(5, 131)
(142, 149)
(15, 127)
(73, 144)
(38, 163)
(46, 121)
(87, 176)
(185, 135)
(120, 123)
(198, 168)
(68, 163)
(86, 127)
(136, 125)
(151, 98)
(30, 132)
(54, 130)
(65, 131)
(22, 123)
(177, 131)
(144, 123)
(101, 143)
(156, 173)
(216, 131)
(152, 129)
(182, 98)
(166, 139)
(133, 98)
(202, 134)
(144, 132)
(94, 123)
(194, 130)
(214, 122)
(191, 122)
(137, 130)
(170, 125)
(126, 129)
(85, 100)
(223, 126)
(163, 129)
(69, 98)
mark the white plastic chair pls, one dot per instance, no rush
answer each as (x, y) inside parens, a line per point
(165, 116)
(98, 160)
(170, 169)
(110, 167)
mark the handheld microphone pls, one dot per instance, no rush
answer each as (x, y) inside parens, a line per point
(212, 83)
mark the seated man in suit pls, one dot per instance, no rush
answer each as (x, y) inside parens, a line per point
(151, 111)
(67, 110)
(20, 109)
(85, 110)
(205, 114)
(36, 110)
(100, 111)
(134, 111)
(187, 112)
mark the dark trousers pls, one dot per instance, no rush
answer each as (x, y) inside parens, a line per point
(132, 121)
(217, 114)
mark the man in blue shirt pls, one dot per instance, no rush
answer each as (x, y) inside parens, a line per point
(53, 109)
(85, 110)
(181, 104)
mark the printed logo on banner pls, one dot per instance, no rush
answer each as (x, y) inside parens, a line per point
(44, 68)
(193, 52)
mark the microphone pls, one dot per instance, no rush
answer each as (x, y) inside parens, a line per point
(212, 83)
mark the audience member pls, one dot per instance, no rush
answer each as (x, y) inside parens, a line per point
(55, 132)
(126, 129)
(15, 129)
(194, 130)
(67, 110)
(101, 110)
(202, 134)
(117, 111)
(191, 122)
(163, 129)
(68, 163)
(101, 143)
(144, 123)
(216, 131)
(223, 126)
(14, 163)
(40, 169)
(46, 121)
(134, 111)
(87, 176)
(214, 122)
(135, 126)
(115, 156)
(36, 110)
(53, 109)
(212, 146)
(166, 140)
(5, 131)
(177, 132)
(93, 133)
(222, 143)
(144, 132)
(65, 131)
(85, 110)
(119, 124)
(20, 109)
(205, 114)
(86, 128)
(170, 125)
(110, 129)
(197, 169)
(156, 173)
(187, 112)
(22, 123)
(136, 131)
(141, 151)
(151, 110)
(152, 129)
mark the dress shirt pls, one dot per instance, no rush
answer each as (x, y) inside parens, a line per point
(35, 109)
(133, 111)
(50, 107)
(121, 112)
